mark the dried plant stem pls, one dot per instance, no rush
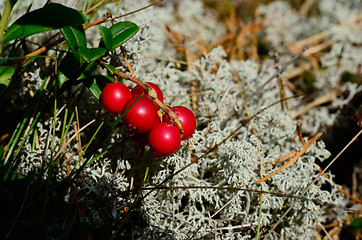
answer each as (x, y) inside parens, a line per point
(294, 159)
(77, 126)
(194, 95)
(303, 67)
(281, 84)
(91, 9)
(234, 227)
(299, 131)
(318, 48)
(138, 10)
(305, 7)
(190, 94)
(168, 60)
(325, 231)
(20, 210)
(280, 71)
(226, 204)
(127, 62)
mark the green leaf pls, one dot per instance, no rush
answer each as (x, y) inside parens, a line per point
(75, 37)
(117, 34)
(51, 16)
(91, 54)
(122, 32)
(6, 73)
(96, 83)
(107, 37)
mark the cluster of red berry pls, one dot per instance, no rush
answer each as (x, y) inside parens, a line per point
(163, 133)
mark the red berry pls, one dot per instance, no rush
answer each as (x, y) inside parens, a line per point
(114, 96)
(138, 90)
(141, 116)
(187, 119)
(164, 139)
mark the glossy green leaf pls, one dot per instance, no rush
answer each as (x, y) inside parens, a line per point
(107, 37)
(6, 73)
(96, 84)
(91, 54)
(117, 34)
(122, 32)
(51, 16)
(75, 37)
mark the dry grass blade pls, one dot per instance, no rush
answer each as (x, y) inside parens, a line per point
(127, 62)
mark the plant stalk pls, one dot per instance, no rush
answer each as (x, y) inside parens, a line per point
(4, 19)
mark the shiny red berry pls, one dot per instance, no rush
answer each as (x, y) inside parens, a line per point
(138, 90)
(187, 119)
(164, 139)
(141, 117)
(114, 96)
